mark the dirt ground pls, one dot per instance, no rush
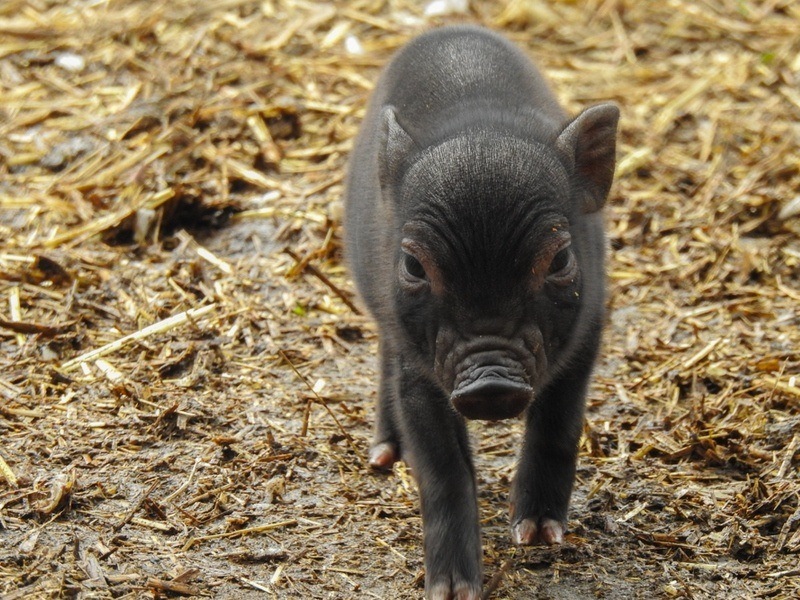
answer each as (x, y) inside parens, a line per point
(186, 389)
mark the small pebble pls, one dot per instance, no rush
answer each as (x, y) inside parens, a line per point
(446, 7)
(352, 45)
(70, 62)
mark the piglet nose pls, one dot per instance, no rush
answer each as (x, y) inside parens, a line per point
(492, 398)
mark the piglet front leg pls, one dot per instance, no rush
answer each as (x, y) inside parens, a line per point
(543, 485)
(434, 442)
(385, 450)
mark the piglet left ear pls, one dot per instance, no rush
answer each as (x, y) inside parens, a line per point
(394, 147)
(588, 143)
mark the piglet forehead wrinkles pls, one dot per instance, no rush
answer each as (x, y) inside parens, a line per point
(432, 242)
(466, 167)
(481, 203)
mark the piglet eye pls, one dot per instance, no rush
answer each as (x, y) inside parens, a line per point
(560, 261)
(412, 267)
(563, 267)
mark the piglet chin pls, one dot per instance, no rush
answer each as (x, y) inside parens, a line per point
(492, 399)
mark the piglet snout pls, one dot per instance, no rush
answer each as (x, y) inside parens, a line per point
(492, 398)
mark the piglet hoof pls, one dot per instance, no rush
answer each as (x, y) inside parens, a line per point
(458, 591)
(538, 531)
(382, 456)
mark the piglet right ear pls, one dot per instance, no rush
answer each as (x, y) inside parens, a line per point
(588, 144)
(394, 147)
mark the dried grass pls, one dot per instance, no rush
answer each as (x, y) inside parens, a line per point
(157, 436)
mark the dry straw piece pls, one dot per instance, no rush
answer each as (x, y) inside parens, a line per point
(171, 280)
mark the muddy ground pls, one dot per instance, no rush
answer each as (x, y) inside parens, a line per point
(186, 158)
